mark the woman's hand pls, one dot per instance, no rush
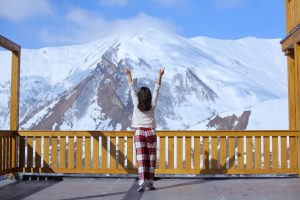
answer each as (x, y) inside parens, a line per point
(128, 72)
(161, 71)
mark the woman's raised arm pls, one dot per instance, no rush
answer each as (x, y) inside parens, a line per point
(132, 90)
(157, 86)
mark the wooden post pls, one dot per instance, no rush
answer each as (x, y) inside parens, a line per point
(298, 152)
(14, 103)
(15, 86)
(291, 90)
(297, 82)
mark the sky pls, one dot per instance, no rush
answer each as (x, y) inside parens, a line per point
(40, 23)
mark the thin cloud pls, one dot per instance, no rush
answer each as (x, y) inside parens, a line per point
(81, 26)
(114, 2)
(19, 10)
(229, 4)
(169, 2)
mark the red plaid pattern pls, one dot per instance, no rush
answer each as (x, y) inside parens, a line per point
(145, 145)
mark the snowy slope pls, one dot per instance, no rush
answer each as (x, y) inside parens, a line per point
(268, 115)
(87, 88)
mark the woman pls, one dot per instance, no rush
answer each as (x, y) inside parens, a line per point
(143, 121)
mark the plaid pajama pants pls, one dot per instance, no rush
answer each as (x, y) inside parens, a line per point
(145, 145)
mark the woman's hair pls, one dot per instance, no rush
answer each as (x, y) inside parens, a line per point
(145, 97)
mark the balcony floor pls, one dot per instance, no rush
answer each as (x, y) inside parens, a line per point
(123, 188)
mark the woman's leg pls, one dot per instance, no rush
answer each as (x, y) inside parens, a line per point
(141, 152)
(151, 147)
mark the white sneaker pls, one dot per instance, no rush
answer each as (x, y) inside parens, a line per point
(142, 187)
(150, 186)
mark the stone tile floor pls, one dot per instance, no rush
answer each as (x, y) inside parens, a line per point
(124, 188)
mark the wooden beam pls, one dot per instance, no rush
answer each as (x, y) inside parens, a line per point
(297, 37)
(297, 69)
(289, 52)
(9, 45)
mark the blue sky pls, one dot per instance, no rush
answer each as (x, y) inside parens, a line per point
(39, 23)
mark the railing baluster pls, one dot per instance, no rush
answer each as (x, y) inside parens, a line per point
(179, 152)
(87, 157)
(8, 153)
(205, 153)
(223, 152)
(293, 155)
(71, 152)
(13, 151)
(104, 152)
(249, 152)
(130, 152)
(38, 153)
(78, 152)
(30, 153)
(188, 152)
(240, 152)
(231, 152)
(266, 152)
(170, 152)
(197, 153)
(46, 163)
(274, 152)
(283, 153)
(5, 151)
(54, 147)
(214, 152)
(257, 152)
(121, 153)
(113, 146)
(62, 160)
(22, 152)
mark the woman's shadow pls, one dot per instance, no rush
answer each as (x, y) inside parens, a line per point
(212, 170)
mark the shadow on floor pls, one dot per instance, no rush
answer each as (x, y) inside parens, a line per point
(201, 181)
(23, 189)
(131, 194)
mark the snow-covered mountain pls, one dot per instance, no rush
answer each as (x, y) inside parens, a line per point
(252, 118)
(83, 87)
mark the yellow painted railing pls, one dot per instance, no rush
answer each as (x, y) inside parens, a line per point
(7, 152)
(178, 152)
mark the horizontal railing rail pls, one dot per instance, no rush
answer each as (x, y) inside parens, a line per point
(178, 152)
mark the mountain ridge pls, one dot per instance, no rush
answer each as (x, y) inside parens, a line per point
(203, 77)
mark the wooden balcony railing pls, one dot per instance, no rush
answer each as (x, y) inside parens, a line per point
(7, 152)
(178, 152)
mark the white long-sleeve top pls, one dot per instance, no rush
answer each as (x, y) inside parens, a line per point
(139, 118)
